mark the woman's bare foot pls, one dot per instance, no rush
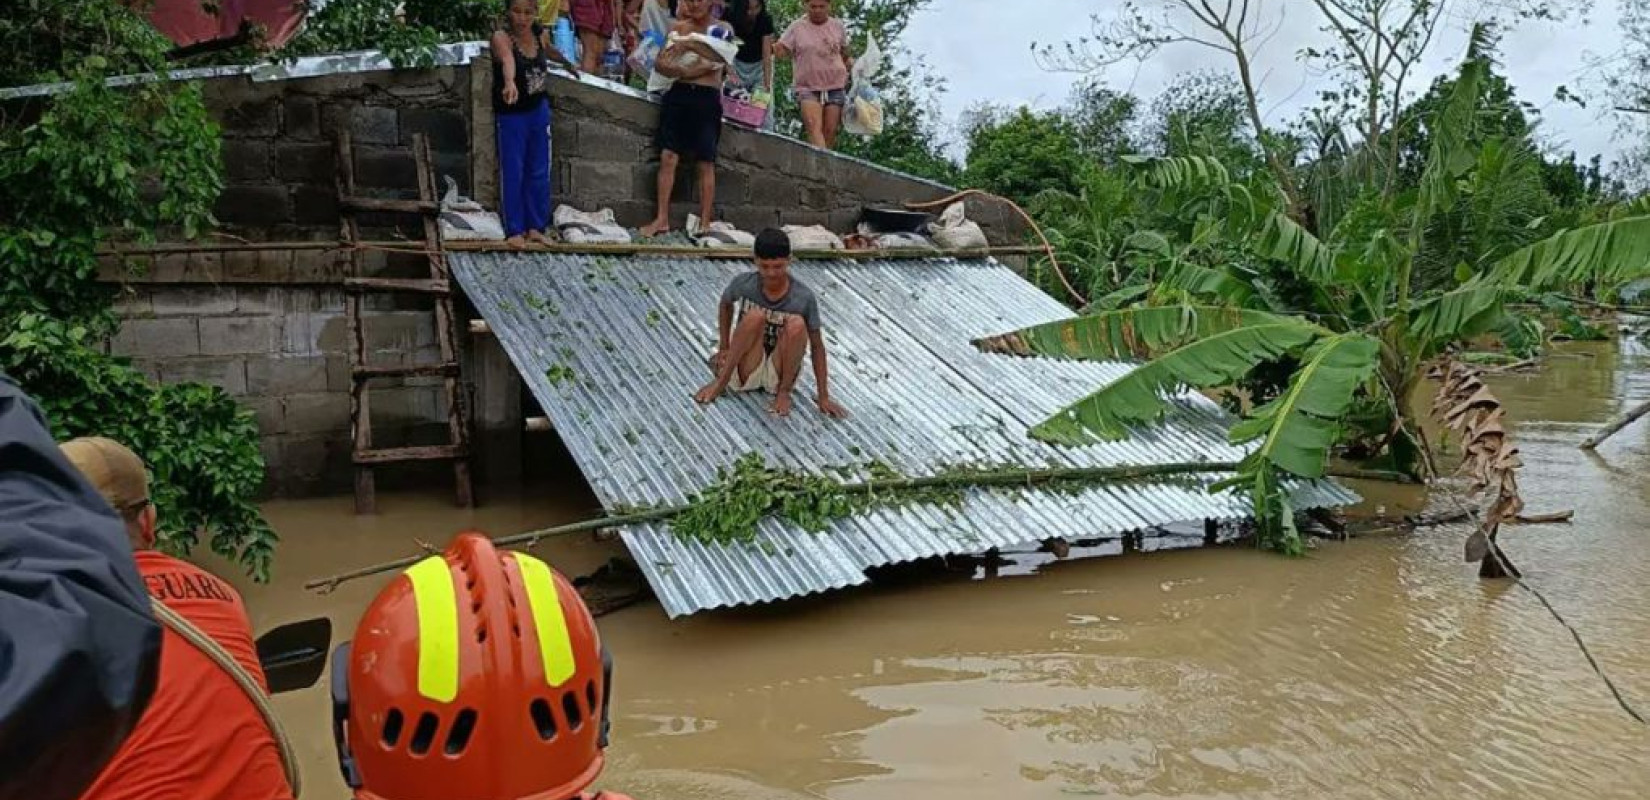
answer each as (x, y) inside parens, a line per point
(515, 243)
(537, 237)
(654, 228)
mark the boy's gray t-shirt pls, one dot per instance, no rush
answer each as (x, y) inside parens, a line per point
(800, 300)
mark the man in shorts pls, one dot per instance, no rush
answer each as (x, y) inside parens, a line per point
(778, 320)
(690, 114)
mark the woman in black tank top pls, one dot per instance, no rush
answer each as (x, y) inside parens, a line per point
(521, 107)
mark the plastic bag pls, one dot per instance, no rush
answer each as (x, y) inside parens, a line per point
(589, 227)
(863, 116)
(812, 237)
(464, 219)
(955, 231)
(718, 234)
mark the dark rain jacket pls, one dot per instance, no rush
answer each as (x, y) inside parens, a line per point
(79, 651)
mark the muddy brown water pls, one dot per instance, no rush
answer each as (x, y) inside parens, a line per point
(1380, 667)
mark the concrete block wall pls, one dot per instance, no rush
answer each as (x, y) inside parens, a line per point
(280, 351)
(268, 325)
(279, 157)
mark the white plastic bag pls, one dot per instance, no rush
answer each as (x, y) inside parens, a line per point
(955, 231)
(465, 219)
(589, 227)
(813, 237)
(863, 116)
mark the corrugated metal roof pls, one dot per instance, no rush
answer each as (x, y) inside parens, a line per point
(613, 347)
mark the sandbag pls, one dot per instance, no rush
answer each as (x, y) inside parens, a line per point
(955, 231)
(589, 227)
(813, 237)
(465, 219)
(718, 234)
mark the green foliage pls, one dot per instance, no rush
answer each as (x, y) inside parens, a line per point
(1217, 358)
(78, 169)
(1019, 153)
(1327, 328)
(411, 40)
(728, 511)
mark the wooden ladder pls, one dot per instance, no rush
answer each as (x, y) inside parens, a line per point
(362, 373)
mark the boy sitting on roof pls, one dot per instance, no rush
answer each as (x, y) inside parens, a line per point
(778, 320)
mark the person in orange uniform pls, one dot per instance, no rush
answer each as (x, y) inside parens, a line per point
(201, 737)
(475, 674)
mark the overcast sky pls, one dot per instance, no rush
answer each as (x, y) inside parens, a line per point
(983, 48)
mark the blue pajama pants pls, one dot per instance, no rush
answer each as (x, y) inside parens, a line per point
(524, 167)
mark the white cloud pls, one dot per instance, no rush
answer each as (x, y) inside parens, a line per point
(983, 47)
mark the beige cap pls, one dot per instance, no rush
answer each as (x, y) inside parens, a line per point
(116, 472)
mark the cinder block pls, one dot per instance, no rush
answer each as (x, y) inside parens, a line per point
(301, 118)
(321, 412)
(261, 300)
(446, 128)
(286, 374)
(392, 168)
(180, 301)
(253, 205)
(270, 413)
(773, 190)
(251, 118)
(157, 338)
(245, 159)
(228, 374)
(237, 335)
(307, 162)
(374, 125)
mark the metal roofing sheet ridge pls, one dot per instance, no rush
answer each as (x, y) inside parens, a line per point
(1012, 375)
(596, 429)
(995, 444)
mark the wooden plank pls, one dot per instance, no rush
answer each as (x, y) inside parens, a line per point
(415, 285)
(360, 409)
(458, 428)
(353, 203)
(446, 369)
(399, 455)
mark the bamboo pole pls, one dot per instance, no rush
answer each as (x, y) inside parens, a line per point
(1014, 477)
(1614, 426)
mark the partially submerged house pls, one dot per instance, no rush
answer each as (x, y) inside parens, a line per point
(610, 347)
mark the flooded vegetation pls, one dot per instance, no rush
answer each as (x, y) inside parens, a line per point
(1378, 667)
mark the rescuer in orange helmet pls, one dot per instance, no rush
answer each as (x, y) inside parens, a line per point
(474, 675)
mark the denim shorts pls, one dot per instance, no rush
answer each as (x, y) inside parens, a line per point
(832, 97)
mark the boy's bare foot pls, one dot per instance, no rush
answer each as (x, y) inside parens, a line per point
(515, 243)
(709, 393)
(537, 237)
(654, 228)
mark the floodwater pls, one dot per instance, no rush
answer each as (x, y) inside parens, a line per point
(1380, 667)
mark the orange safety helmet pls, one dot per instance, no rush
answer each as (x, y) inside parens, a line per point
(474, 675)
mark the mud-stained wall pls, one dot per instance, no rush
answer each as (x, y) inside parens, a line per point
(268, 326)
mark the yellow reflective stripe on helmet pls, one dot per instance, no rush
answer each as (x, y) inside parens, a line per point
(555, 645)
(437, 603)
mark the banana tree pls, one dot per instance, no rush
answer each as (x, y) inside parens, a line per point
(1358, 336)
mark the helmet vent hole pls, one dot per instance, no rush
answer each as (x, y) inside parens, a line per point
(481, 634)
(392, 727)
(423, 735)
(590, 697)
(570, 706)
(458, 736)
(543, 719)
(515, 629)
